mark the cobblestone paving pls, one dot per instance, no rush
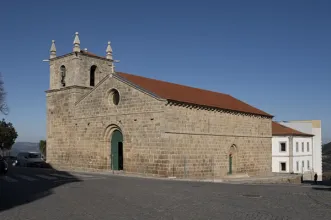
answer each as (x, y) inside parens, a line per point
(133, 198)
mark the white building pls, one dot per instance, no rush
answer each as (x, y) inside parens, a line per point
(292, 150)
(313, 127)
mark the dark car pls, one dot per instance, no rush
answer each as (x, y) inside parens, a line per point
(29, 159)
(11, 160)
(3, 166)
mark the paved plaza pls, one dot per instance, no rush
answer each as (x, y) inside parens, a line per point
(33, 194)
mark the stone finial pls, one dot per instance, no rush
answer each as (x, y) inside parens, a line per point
(109, 52)
(76, 43)
(53, 50)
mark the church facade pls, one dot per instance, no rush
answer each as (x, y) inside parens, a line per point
(101, 119)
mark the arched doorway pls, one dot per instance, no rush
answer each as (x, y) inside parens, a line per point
(232, 159)
(116, 149)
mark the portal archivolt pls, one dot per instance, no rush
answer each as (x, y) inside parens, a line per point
(114, 137)
(232, 156)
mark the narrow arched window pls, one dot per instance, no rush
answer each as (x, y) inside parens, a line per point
(63, 75)
(92, 75)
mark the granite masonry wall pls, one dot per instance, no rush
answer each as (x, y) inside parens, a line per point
(201, 141)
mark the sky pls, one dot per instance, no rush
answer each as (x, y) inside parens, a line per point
(274, 55)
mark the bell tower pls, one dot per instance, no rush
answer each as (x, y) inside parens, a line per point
(72, 75)
(79, 68)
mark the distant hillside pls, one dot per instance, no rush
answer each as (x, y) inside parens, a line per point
(326, 152)
(24, 146)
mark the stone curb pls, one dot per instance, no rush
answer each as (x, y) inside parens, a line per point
(264, 180)
(257, 181)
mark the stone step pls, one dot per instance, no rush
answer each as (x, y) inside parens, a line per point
(260, 180)
(117, 171)
(237, 175)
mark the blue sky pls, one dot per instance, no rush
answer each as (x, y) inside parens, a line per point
(275, 55)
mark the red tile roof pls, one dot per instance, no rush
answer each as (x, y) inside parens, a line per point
(186, 94)
(91, 54)
(280, 130)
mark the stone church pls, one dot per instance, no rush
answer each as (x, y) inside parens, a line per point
(102, 119)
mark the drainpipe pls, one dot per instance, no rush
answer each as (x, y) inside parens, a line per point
(290, 154)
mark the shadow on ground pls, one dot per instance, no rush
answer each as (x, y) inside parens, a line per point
(322, 188)
(324, 185)
(22, 191)
(319, 183)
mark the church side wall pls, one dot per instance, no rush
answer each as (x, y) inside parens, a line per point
(200, 142)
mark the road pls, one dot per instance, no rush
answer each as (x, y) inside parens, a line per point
(33, 194)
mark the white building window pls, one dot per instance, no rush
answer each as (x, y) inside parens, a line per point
(303, 165)
(297, 165)
(303, 147)
(297, 147)
(283, 166)
(308, 165)
(307, 146)
(283, 147)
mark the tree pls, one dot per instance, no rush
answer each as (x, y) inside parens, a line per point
(42, 147)
(3, 106)
(8, 135)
